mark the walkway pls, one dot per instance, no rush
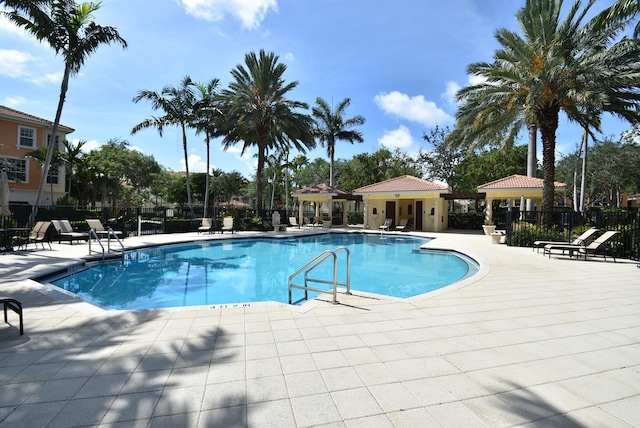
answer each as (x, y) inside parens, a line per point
(533, 342)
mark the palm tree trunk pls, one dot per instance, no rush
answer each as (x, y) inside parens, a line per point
(186, 166)
(548, 123)
(259, 178)
(532, 164)
(50, 148)
(577, 206)
(331, 177)
(583, 184)
(206, 179)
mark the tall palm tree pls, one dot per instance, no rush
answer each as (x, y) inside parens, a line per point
(620, 11)
(70, 30)
(206, 119)
(555, 66)
(176, 102)
(332, 127)
(257, 112)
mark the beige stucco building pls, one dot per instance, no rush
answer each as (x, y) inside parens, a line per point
(407, 197)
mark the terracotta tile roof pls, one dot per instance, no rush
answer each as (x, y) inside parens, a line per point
(319, 189)
(18, 116)
(406, 183)
(517, 182)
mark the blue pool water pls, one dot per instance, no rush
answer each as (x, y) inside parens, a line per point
(256, 270)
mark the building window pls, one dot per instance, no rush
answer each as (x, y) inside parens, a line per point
(16, 169)
(54, 174)
(57, 147)
(27, 137)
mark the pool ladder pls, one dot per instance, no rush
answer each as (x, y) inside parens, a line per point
(110, 232)
(321, 258)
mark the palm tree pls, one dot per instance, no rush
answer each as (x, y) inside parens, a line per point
(207, 117)
(556, 66)
(70, 30)
(332, 127)
(177, 105)
(620, 11)
(257, 112)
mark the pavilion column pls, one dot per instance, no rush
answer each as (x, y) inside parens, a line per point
(489, 211)
(300, 212)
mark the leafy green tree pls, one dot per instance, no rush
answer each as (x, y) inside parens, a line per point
(70, 30)
(555, 66)
(484, 166)
(365, 168)
(331, 127)
(177, 103)
(622, 11)
(258, 114)
(441, 162)
(309, 174)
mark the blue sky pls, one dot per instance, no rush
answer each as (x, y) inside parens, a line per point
(399, 61)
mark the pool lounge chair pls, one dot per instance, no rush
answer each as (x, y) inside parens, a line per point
(206, 225)
(403, 224)
(66, 233)
(24, 241)
(227, 224)
(602, 245)
(294, 222)
(584, 238)
(99, 229)
(386, 225)
(15, 306)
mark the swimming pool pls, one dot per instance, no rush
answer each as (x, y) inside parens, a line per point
(257, 270)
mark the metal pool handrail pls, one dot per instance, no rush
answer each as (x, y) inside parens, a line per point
(317, 261)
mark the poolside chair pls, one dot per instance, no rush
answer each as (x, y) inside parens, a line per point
(41, 236)
(584, 238)
(403, 224)
(294, 222)
(24, 241)
(601, 244)
(227, 224)
(386, 225)
(206, 226)
(99, 229)
(15, 306)
(65, 232)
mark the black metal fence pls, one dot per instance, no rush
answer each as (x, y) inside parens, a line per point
(524, 227)
(142, 221)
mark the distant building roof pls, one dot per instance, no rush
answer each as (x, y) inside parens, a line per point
(18, 116)
(516, 181)
(406, 183)
(319, 189)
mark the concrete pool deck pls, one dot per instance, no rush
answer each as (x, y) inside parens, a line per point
(535, 341)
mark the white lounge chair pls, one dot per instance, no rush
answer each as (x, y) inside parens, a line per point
(227, 224)
(403, 224)
(583, 239)
(100, 230)
(206, 225)
(386, 225)
(294, 222)
(66, 232)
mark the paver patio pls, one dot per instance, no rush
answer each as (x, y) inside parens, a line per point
(531, 341)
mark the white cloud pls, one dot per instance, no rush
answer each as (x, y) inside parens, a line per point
(14, 101)
(15, 63)
(88, 146)
(397, 139)
(450, 92)
(249, 12)
(415, 109)
(7, 26)
(195, 164)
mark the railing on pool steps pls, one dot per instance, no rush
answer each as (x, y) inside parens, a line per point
(110, 233)
(323, 257)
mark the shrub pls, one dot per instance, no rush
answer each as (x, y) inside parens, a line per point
(355, 217)
(526, 236)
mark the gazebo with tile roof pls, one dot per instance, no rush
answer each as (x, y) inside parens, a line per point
(405, 197)
(322, 197)
(515, 187)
